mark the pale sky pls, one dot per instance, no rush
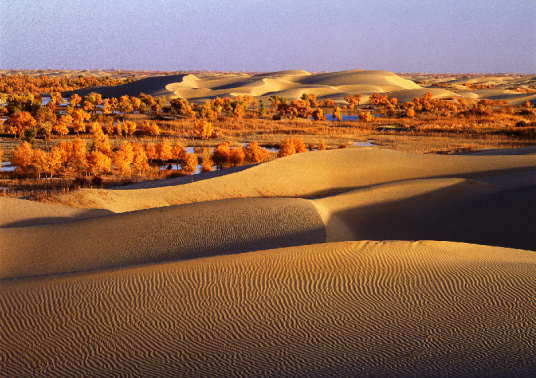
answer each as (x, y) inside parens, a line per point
(486, 36)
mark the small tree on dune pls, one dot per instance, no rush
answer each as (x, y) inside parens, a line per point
(286, 148)
(321, 145)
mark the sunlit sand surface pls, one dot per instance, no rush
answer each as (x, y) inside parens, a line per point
(269, 271)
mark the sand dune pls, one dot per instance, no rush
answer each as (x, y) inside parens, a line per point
(290, 84)
(21, 213)
(163, 234)
(363, 309)
(306, 175)
(438, 209)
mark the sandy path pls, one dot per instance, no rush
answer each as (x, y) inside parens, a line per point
(346, 309)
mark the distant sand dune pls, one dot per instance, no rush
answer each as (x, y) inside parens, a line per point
(290, 84)
(362, 309)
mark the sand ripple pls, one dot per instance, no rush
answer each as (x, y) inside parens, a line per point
(342, 309)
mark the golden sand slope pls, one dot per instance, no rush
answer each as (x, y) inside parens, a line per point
(164, 234)
(346, 309)
(308, 174)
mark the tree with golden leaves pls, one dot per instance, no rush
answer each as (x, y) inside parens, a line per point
(236, 156)
(221, 154)
(79, 118)
(123, 158)
(55, 98)
(39, 162)
(101, 143)
(177, 152)
(337, 114)
(119, 128)
(55, 160)
(365, 116)
(74, 100)
(287, 148)
(189, 163)
(321, 145)
(19, 122)
(410, 113)
(254, 153)
(163, 149)
(62, 125)
(206, 164)
(129, 127)
(125, 105)
(150, 151)
(22, 156)
(203, 129)
(318, 115)
(329, 103)
(150, 128)
(136, 102)
(78, 156)
(95, 127)
(98, 163)
(139, 161)
(105, 106)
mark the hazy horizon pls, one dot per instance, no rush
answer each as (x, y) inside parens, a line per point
(401, 36)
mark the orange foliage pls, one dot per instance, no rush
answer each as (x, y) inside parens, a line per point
(253, 153)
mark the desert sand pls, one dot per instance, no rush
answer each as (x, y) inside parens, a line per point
(351, 262)
(333, 85)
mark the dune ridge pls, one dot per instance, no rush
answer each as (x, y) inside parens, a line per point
(155, 235)
(339, 309)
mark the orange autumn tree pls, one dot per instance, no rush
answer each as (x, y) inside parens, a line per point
(221, 154)
(177, 152)
(203, 129)
(123, 159)
(40, 162)
(253, 153)
(236, 156)
(22, 156)
(98, 163)
(139, 160)
(189, 163)
(19, 122)
(163, 149)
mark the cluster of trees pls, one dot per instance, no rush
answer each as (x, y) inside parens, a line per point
(28, 84)
(73, 158)
(225, 154)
